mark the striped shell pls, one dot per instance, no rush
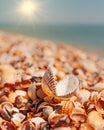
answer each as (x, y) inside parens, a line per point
(63, 89)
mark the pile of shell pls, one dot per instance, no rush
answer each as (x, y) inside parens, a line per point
(44, 86)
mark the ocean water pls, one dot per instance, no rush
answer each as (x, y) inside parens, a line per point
(82, 36)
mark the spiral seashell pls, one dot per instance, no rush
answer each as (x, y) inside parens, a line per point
(6, 110)
(60, 90)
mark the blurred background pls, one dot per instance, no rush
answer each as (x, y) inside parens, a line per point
(76, 22)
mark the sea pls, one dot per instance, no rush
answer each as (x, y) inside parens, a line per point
(87, 37)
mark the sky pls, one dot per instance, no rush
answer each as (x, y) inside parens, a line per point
(56, 11)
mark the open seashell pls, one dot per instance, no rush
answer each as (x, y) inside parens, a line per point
(7, 126)
(95, 120)
(18, 118)
(27, 125)
(32, 92)
(6, 110)
(60, 90)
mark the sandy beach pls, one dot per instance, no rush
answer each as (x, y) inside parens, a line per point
(48, 86)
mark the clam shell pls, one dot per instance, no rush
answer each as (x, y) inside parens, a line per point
(32, 92)
(63, 89)
(67, 86)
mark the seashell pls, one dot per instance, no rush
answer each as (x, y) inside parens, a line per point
(4, 99)
(32, 92)
(21, 93)
(85, 126)
(100, 105)
(95, 120)
(94, 96)
(67, 107)
(63, 89)
(20, 101)
(37, 121)
(47, 110)
(58, 120)
(7, 126)
(27, 125)
(7, 73)
(17, 118)
(99, 87)
(87, 63)
(83, 95)
(6, 110)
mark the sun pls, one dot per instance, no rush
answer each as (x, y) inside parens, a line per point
(28, 8)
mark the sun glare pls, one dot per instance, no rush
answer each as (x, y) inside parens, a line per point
(28, 8)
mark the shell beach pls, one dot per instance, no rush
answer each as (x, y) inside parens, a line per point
(48, 86)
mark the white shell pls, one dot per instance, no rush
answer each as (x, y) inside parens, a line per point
(64, 88)
(67, 86)
(18, 118)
